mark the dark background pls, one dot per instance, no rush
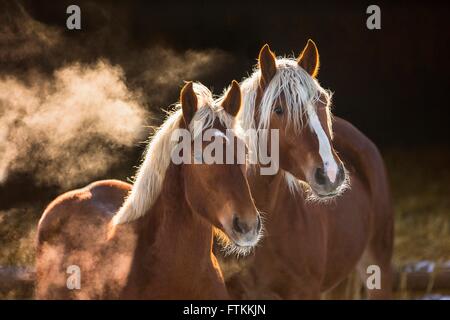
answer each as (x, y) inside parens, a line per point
(391, 83)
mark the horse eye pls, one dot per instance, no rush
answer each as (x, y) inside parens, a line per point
(278, 110)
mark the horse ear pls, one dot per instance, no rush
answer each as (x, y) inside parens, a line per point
(267, 64)
(309, 59)
(232, 101)
(188, 100)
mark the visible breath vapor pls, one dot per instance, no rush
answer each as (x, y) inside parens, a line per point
(66, 129)
(25, 42)
(63, 119)
(160, 71)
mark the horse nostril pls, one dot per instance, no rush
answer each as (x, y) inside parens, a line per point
(238, 226)
(320, 176)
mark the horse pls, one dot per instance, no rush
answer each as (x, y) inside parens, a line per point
(152, 240)
(328, 209)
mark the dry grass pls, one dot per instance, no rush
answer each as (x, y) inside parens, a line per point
(17, 236)
(17, 239)
(420, 180)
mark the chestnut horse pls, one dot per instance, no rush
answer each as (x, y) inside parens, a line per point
(152, 240)
(317, 232)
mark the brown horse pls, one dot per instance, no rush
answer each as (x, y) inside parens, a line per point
(316, 230)
(152, 240)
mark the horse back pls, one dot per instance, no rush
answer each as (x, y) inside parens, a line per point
(73, 231)
(94, 203)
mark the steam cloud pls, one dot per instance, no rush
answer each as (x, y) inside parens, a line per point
(165, 70)
(65, 129)
(67, 126)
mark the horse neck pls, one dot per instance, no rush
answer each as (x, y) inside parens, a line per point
(264, 188)
(179, 226)
(173, 242)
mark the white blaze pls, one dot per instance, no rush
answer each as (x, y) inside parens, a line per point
(329, 164)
